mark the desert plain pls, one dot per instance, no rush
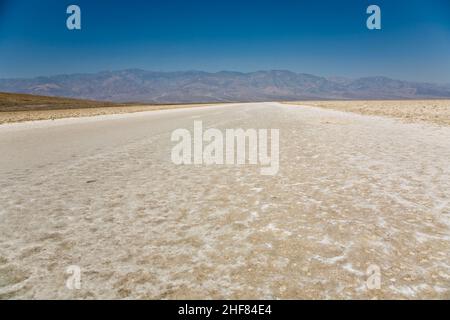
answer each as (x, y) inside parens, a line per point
(370, 187)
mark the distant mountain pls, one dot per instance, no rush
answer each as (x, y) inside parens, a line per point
(136, 85)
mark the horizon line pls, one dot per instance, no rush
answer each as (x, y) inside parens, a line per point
(220, 71)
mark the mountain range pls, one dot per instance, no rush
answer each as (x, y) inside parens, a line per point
(135, 85)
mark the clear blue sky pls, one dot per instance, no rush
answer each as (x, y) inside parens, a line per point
(327, 38)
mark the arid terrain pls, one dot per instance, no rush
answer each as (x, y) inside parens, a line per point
(102, 193)
(434, 111)
(24, 107)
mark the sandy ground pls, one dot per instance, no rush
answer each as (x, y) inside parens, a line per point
(433, 111)
(32, 115)
(102, 193)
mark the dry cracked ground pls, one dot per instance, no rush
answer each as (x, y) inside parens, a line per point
(101, 193)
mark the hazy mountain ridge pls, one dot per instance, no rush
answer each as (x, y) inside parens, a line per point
(197, 86)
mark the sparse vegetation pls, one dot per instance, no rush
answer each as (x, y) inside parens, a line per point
(27, 102)
(25, 107)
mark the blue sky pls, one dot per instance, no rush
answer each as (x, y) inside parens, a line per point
(326, 38)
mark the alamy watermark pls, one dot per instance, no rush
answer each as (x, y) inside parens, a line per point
(374, 20)
(73, 281)
(73, 22)
(234, 147)
(373, 281)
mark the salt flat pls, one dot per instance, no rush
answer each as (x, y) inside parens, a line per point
(102, 193)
